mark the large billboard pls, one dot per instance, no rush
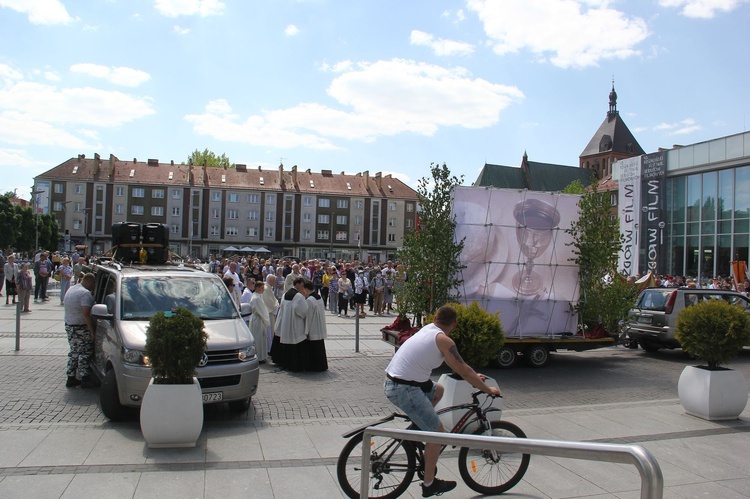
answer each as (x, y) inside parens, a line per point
(629, 212)
(518, 257)
(654, 211)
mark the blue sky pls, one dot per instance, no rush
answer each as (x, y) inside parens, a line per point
(355, 85)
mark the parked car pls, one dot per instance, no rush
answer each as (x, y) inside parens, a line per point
(651, 322)
(127, 296)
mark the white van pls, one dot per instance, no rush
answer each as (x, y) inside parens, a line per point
(127, 296)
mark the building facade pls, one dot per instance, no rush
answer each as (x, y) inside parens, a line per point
(289, 213)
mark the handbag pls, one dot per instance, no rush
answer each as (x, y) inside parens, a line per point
(57, 276)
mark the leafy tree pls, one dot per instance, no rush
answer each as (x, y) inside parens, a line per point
(209, 158)
(430, 253)
(604, 298)
(575, 187)
(25, 230)
(8, 221)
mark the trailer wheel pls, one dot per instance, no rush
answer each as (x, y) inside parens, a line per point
(536, 356)
(506, 357)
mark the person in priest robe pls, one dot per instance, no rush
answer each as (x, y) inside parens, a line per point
(316, 331)
(272, 305)
(259, 321)
(290, 343)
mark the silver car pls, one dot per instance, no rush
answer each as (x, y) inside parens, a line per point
(651, 321)
(127, 296)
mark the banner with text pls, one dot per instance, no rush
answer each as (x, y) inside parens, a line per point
(629, 212)
(654, 207)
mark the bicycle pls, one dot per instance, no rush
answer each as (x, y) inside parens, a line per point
(393, 463)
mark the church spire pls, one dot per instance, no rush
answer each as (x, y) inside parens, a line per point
(612, 100)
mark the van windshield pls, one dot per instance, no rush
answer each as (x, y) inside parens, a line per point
(206, 297)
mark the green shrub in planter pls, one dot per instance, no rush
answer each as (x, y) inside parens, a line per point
(175, 343)
(478, 335)
(714, 331)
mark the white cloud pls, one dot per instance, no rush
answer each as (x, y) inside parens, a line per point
(683, 127)
(203, 8)
(127, 77)
(567, 33)
(704, 9)
(46, 12)
(17, 157)
(291, 30)
(180, 30)
(8, 74)
(51, 76)
(375, 99)
(440, 46)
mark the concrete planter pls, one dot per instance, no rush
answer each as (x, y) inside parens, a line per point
(712, 395)
(172, 415)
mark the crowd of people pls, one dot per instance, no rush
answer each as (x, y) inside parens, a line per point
(718, 282)
(289, 301)
(22, 275)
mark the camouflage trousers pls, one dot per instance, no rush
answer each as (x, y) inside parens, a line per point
(81, 350)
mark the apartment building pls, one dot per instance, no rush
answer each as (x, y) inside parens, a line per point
(288, 212)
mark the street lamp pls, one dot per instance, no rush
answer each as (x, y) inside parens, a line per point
(330, 235)
(86, 212)
(36, 211)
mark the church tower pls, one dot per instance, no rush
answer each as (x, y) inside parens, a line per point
(611, 142)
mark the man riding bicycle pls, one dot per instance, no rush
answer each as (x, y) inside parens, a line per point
(409, 387)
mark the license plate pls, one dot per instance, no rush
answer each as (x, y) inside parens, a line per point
(209, 398)
(644, 320)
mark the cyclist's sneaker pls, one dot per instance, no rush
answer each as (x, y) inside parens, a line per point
(437, 488)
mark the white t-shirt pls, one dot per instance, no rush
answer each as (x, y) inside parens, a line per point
(418, 356)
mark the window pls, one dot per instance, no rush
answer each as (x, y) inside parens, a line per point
(306, 217)
(231, 231)
(215, 213)
(216, 196)
(391, 238)
(253, 198)
(324, 219)
(136, 210)
(78, 207)
(157, 211)
(58, 188)
(270, 198)
(57, 206)
(410, 207)
(324, 203)
(342, 203)
(306, 234)
(357, 220)
(252, 214)
(269, 233)
(77, 224)
(613, 199)
(252, 231)
(358, 204)
(391, 206)
(323, 234)
(409, 222)
(233, 198)
(176, 194)
(175, 211)
(269, 216)
(341, 235)
(214, 231)
(174, 229)
(391, 222)
(79, 189)
(139, 192)
(119, 191)
(157, 194)
(307, 201)
(342, 219)
(232, 215)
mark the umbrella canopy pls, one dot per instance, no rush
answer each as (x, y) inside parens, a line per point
(262, 250)
(246, 249)
(230, 248)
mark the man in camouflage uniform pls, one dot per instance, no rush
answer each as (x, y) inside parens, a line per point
(80, 328)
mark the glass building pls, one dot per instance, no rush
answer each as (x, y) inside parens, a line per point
(708, 205)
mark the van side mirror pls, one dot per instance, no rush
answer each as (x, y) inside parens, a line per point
(245, 309)
(100, 311)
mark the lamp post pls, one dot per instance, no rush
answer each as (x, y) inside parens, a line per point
(36, 212)
(330, 235)
(86, 212)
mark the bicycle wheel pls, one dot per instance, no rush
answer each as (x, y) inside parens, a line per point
(392, 465)
(493, 472)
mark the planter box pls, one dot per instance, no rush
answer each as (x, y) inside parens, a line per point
(712, 395)
(172, 415)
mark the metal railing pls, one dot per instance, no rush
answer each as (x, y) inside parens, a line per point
(652, 481)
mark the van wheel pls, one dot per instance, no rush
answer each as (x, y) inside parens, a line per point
(536, 356)
(240, 405)
(109, 398)
(506, 357)
(649, 347)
